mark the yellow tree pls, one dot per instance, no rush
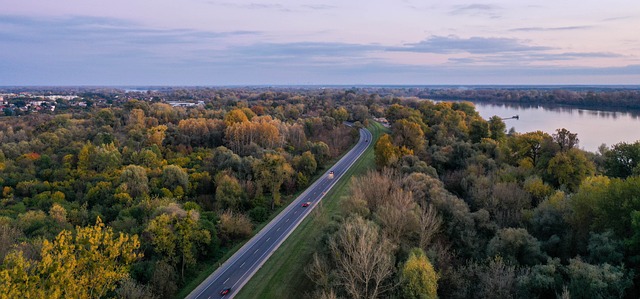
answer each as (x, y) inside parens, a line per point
(136, 120)
(87, 264)
(418, 278)
(385, 153)
(235, 116)
(156, 135)
(408, 134)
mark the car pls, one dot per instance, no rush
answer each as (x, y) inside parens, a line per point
(225, 291)
(306, 204)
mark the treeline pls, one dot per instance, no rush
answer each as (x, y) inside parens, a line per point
(128, 201)
(460, 209)
(628, 99)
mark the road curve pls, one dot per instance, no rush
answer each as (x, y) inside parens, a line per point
(238, 269)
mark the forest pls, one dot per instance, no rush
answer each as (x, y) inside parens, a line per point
(139, 194)
(460, 209)
(142, 194)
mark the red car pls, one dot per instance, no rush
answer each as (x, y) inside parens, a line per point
(306, 204)
(225, 291)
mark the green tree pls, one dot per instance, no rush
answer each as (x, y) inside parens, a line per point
(320, 151)
(531, 146)
(569, 168)
(605, 248)
(497, 128)
(306, 163)
(478, 129)
(516, 245)
(228, 192)
(176, 234)
(174, 176)
(540, 281)
(418, 279)
(622, 159)
(134, 180)
(565, 139)
(596, 281)
(271, 171)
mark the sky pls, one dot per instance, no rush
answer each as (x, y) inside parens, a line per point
(300, 42)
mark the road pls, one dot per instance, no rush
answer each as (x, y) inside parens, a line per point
(238, 269)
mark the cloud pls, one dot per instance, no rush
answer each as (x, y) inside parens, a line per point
(619, 18)
(494, 51)
(96, 30)
(274, 6)
(565, 28)
(529, 58)
(476, 9)
(319, 6)
(472, 45)
(307, 49)
(108, 51)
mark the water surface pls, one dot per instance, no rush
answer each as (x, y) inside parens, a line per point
(594, 127)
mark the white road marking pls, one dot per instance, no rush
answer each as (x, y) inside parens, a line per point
(278, 229)
(242, 264)
(256, 251)
(268, 239)
(225, 281)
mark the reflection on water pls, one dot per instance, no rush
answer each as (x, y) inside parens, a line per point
(594, 127)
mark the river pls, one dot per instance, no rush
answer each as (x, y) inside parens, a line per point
(594, 127)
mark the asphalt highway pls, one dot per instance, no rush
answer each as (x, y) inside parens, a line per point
(238, 269)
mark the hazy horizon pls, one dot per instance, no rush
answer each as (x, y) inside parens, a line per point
(311, 43)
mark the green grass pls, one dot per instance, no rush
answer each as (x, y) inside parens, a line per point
(205, 268)
(282, 276)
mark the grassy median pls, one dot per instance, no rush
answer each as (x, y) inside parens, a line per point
(282, 276)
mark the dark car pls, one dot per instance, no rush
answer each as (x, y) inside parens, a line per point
(225, 291)
(306, 204)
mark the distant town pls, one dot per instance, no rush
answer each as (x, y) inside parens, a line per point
(23, 103)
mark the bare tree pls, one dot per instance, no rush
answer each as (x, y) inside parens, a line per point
(9, 236)
(130, 289)
(397, 215)
(324, 294)
(429, 224)
(375, 187)
(319, 271)
(363, 259)
(498, 280)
